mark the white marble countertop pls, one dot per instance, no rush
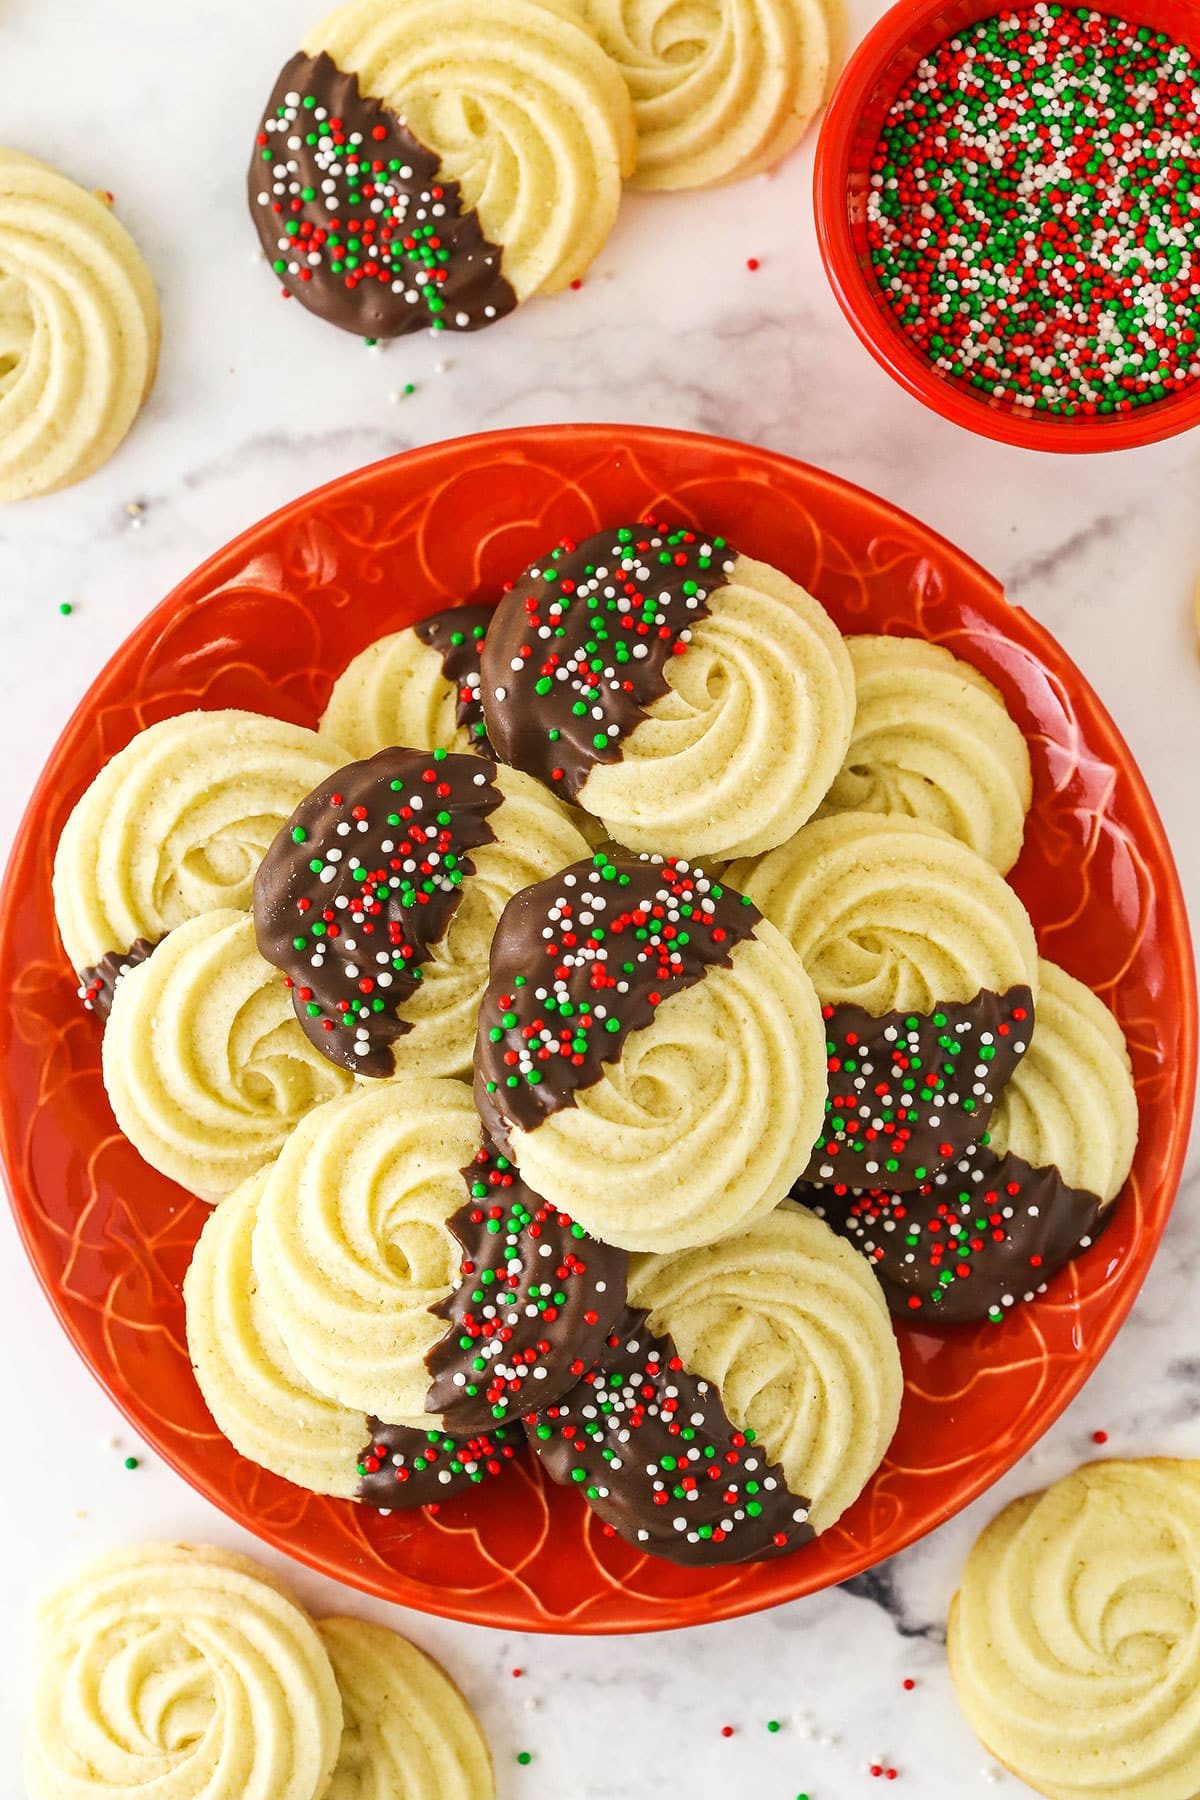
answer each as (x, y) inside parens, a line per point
(254, 404)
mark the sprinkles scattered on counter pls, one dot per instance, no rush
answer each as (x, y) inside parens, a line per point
(1099, 1437)
(1034, 215)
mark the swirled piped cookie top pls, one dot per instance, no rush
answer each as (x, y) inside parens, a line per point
(989, 1230)
(720, 92)
(580, 961)
(178, 1670)
(79, 327)
(1072, 1639)
(532, 1305)
(419, 687)
(655, 1454)
(205, 1067)
(639, 1018)
(176, 824)
(360, 884)
(933, 738)
(409, 1733)
(357, 218)
(580, 645)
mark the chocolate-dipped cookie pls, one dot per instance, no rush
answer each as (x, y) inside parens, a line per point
(693, 700)
(742, 1402)
(413, 1276)
(926, 966)
(379, 896)
(382, 215)
(989, 1231)
(618, 1437)
(638, 1023)
(531, 1307)
(403, 1466)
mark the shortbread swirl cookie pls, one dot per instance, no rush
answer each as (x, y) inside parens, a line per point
(992, 1228)
(933, 738)
(250, 1384)
(695, 701)
(1072, 1639)
(175, 825)
(720, 91)
(775, 1349)
(369, 1248)
(926, 966)
(418, 687)
(430, 163)
(379, 897)
(352, 1246)
(407, 1465)
(205, 1066)
(408, 1734)
(184, 1673)
(79, 329)
(639, 1023)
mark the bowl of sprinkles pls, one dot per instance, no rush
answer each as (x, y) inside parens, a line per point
(1008, 207)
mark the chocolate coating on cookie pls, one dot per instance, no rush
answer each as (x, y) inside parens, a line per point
(403, 1466)
(361, 883)
(356, 218)
(535, 1302)
(581, 644)
(970, 1243)
(581, 960)
(909, 1091)
(98, 984)
(653, 1451)
(457, 636)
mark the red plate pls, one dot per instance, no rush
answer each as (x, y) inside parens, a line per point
(267, 624)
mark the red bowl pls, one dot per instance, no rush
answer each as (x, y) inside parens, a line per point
(849, 135)
(267, 624)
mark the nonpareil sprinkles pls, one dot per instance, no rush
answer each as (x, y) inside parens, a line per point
(1034, 213)
(610, 941)
(357, 218)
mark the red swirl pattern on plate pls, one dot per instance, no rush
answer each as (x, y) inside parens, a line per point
(267, 624)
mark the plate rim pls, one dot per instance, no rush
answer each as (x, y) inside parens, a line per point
(1170, 897)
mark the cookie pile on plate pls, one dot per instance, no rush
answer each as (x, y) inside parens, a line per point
(430, 164)
(591, 1031)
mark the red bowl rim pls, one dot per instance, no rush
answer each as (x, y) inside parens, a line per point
(866, 70)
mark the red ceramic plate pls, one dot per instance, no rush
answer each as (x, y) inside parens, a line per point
(267, 624)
